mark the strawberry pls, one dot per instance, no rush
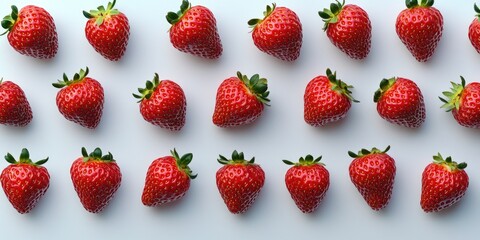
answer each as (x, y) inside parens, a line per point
(420, 28)
(373, 174)
(326, 99)
(168, 179)
(239, 182)
(31, 32)
(24, 182)
(95, 178)
(240, 100)
(80, 100)
(474, 29)
(307, 181)
(464, 103)
(444, 183)
(279, 33)
(107, 30)
(14, 107)
(348, 27)
(163, 103)
(194, 31)
(400, 101)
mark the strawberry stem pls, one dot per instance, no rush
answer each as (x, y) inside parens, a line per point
(237, 158)
(173, 17)
(364, 152)
(24, 159)
(150, 87)
(385, 84)
(257, 86)
(329, 16)
(182, 163)
(255, 21)
(96, 155)
(101, 13)
(307, 161)
(9, 20)
(339, 86)
(78, 77)
(454, 96)
(449, 163)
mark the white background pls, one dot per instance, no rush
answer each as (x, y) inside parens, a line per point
(280, 133)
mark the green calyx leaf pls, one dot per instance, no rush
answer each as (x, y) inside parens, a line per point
(448, 163)
(182, 163)
(364, 152)
(453, 97)
(100, 14)
(477, 11)
(385, 84)
(257, 86)
(414, 3)
(305, 161)
(78, 77)
(150, 87)
(9, 20)
(255, 21)
(237, 158)
(331, 15)
(339, 86)
(96, 155)
(24, 159)
(173, 17)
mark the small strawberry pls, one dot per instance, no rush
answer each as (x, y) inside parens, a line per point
(24, 182)
(14, 107)
(95, 178)
(326, 99)
(240, 100)
(373, 174)
(444, 183)
(167, 180)
(474, 29)
(400, 101)
(194, 31)
(163, 103)
(239, 182)
(348, 27)
(308, 182)
(420, 28)
(279, 33)
(80, 100)
(31, 32)
(464, 103)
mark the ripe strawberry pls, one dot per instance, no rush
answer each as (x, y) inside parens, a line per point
(326, 99)
(348, 27)
(14, 107)
(464, 103)
(107, 30)
(420, 28)
(373, 173)
(194, 31)
(24, 182)
(163, 103)
(279, 33)
(308, 182)
(95, 178)
(400, 101)
(444, 182)
(81, 101)
(31, 32)
(474, 29)
(239, 182)
(240, 100)
(168, 179)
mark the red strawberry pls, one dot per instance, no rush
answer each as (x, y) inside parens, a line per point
(95, 178)
(239, 182)
(194, 31)
(308, 182)
(420, 28)
(14, 107)
(81, 99)
(107, 30)
(400, 101)
(444, 182)
(279, 33)
(327, 99)
(464, 103)
(24, 181)
(168, 179)
(348, 27)
(240, 100)
(373, 173)
(474, 30)
(31, 32)
(163, 103)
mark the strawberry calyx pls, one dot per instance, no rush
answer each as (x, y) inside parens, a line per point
(101, 13)
(150, 87)
(454, 96)
(340, 86)
(307, 161)
(255, 21)
(331, 15)
(477, 11)
(237, 158)
(24, 159)
(257, 86)
(78, 77)
(173, 17)
(414, 3)
(385, 84)
(96, 155)
(182, 163)
(364, 152)
(448, 163)
(9, 20)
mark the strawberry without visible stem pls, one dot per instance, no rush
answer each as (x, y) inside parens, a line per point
(14, 107)
(464, 103)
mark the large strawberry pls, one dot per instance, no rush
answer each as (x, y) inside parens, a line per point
(373, 174)
(240, 100)
(400, 101)
(279, 33)
(163, 103)
(348, 27)
(168, 179)
(444, 183)
(307, 181)
(95, 178)
(14, 107)
(107, 30)
(194, 31)
(326, 99)
(239, 182)
(24, 181)
(420, 28)
(80, 100)
(474, 29)
(31, 32)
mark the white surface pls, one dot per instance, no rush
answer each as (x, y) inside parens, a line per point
(279, 134)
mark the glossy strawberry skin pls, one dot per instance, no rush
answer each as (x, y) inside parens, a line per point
(474, 34)
(468, 114)
(110, 39)
(14, 107)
